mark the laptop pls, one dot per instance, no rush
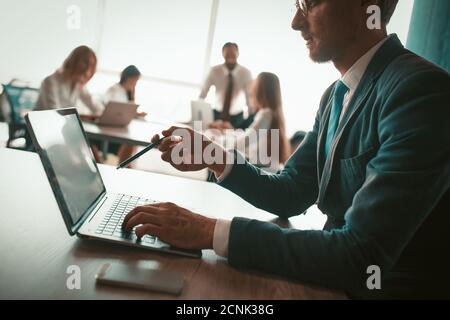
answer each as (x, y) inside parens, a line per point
(117, 114)
(88, 210)
(202, 111)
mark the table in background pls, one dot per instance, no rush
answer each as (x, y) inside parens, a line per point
(138, 132)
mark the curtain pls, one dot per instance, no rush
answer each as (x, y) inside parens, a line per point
(429, 32)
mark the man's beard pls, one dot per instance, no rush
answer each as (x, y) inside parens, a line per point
(325, 49)
(321, 55)
(230, 66)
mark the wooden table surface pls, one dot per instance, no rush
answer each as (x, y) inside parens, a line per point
(36, 250)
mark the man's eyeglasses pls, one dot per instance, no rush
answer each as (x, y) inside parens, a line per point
(305, 6)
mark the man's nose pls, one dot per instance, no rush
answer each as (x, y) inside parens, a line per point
(299, 21)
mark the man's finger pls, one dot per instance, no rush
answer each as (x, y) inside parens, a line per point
(170, 131)
(165, 145)
(150, 229)
(155, 138)
(130, 214)
(183, 167)
(136, 210)
(142, 218)
(161, 205)
(166, 156)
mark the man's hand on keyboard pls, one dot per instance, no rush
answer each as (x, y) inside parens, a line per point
(172, 224)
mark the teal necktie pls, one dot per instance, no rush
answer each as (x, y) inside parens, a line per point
(338, 98)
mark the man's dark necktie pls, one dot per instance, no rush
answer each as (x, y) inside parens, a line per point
(225, 116)
(336, 109)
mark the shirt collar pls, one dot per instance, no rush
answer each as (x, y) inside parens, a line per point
(353, 76)
(233, 72)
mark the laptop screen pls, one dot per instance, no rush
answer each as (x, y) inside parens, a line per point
(68, 160)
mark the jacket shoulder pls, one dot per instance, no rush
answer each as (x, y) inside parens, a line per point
(409, 67)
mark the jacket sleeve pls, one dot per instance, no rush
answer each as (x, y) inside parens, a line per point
(404, 182)
(285, 194)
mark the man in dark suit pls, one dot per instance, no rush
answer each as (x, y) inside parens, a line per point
(376, 163)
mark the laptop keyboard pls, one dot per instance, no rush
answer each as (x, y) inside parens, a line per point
(111, 224)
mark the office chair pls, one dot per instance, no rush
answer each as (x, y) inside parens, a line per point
(21, 100)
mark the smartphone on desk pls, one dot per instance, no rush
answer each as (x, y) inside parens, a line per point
(123, 275)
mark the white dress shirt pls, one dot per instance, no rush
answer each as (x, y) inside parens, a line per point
(351, 79)
(251, 141)
(56, 92)
(218, 77)
(116, 93)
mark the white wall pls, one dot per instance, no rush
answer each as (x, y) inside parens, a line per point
(35, 39)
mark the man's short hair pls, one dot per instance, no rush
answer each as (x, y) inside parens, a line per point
(387, 9)
(229, 45)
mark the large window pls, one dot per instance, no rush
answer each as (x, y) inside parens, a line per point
(166, 39)
(35, 37)
(173, 43)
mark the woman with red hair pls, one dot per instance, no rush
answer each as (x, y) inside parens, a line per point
(66, 86)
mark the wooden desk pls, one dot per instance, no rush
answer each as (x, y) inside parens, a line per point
(35, 248)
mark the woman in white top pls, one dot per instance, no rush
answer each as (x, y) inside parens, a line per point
(265, 98)
(124, 91)
(66, 86)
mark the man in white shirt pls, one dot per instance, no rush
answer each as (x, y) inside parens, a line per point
(376, 163)
(231, 81)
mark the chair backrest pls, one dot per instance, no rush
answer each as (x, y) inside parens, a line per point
(21, 101)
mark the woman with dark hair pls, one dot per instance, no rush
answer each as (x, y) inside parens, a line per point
(265, 99)
(67, 84)
(268, 103)
(124, 91)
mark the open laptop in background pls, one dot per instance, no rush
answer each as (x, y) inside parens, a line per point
(202, 111)
(117, 114)
(87, 209)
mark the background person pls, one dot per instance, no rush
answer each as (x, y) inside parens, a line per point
(124, 91)
(231, 81)
(67, 85)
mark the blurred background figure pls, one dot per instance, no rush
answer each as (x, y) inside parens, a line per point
(265, 97)
(67, 85)
(124, 91)
(231, 81)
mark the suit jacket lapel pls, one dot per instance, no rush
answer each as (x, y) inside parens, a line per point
(323, 136)
(391, 49)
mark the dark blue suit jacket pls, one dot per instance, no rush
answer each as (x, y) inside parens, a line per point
(384, 188)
